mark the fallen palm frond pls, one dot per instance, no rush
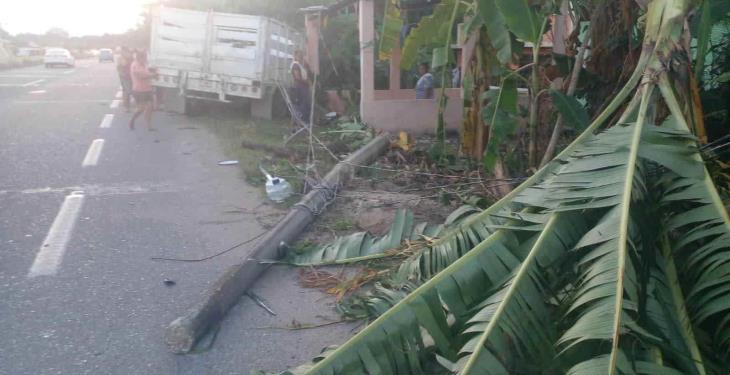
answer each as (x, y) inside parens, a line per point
(363, 246)
(614, 258)
(337, 284)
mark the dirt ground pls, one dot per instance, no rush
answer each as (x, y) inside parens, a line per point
(367, 206)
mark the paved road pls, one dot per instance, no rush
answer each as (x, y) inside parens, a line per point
(85, 203)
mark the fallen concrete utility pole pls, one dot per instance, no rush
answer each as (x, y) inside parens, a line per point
(185, 331)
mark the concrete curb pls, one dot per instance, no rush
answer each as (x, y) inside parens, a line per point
(182, 334)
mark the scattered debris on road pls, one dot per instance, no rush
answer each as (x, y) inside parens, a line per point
(259, 301)
(228, 162)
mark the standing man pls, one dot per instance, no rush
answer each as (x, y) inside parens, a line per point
(301, 97)
(142, 90)
(300, 91)
(424, 86)
(124, 64)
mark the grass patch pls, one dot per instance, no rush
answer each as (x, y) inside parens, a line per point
(343, 224)
(255, 142)
(233, 132)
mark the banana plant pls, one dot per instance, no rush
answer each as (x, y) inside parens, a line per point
(501, 19)
(390, 31)
(613, 258)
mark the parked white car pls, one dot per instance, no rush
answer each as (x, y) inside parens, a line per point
(58, 56)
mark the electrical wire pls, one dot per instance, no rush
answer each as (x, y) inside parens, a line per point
(214, 255)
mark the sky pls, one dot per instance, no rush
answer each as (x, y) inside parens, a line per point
(78, 17)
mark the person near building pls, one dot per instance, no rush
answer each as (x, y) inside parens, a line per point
(424, 86)
(300, 95)
(300, 90)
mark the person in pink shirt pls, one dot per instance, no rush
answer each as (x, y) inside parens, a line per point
(142, 90)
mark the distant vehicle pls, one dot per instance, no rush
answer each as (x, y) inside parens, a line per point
(105, 54)
(30, 55)
(220, 56)
(58, 56)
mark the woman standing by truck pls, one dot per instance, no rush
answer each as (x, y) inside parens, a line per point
(142, 90)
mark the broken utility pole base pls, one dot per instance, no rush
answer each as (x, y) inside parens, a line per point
(185, 331)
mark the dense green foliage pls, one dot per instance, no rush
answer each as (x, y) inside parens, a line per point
(612, 259)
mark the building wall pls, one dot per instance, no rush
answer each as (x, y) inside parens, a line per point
(395, 112)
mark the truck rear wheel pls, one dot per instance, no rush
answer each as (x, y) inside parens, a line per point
(172, 101)
(263, 108)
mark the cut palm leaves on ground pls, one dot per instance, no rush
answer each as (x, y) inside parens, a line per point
(363, 246)
(614, 258)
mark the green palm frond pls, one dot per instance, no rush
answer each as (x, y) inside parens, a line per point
(364, 246)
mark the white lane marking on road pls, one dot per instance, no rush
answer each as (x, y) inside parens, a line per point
(114, 104)
(34, 82)
(54, 245)
(92, 156)
(37, 92)
(118, 95)
(107, 121)
(69, 71)
(26, 76)
(58, 101)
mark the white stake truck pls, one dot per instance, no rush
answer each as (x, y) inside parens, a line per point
(220, 56)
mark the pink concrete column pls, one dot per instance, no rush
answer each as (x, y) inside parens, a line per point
(395, 67)
(312, 25)
(367, 55)
(562, 27)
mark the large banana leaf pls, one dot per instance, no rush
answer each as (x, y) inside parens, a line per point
(498, 293)
(522, 19)
(390, 32)
(497, 30)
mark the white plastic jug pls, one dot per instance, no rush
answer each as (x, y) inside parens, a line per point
(277, 188)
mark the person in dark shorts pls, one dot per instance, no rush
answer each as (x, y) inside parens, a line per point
(300, 94)
(124, 63)
(142, 90)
